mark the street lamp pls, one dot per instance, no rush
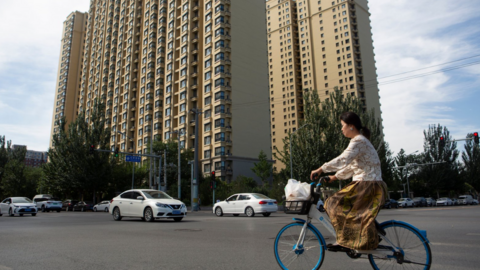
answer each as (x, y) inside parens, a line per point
(133, 165)
(291, 170)
(179, 133)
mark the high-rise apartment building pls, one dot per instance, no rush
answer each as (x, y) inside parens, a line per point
(153, 61)
(317, 45)
(66, 102)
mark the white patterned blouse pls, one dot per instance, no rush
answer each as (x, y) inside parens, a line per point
(360, 161)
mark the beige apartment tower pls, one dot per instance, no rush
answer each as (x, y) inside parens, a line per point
(153, 61)
(317, 45)
(66, 102)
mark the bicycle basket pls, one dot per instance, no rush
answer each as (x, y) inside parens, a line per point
(297, 207)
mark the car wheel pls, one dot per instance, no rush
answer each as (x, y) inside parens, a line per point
(266, 214)
(106, 209)
(249, 211)
(34, 215)
(48, 211)
(20, 215)
(94, 209)
(58, 211)
(83, 209)
(116, 214)
(148, 215)
(396, 206)
(236, 215)
(389, 206)
(10, 212)
(178, 219)
(66, 209)
(218, 212)
(43, 208)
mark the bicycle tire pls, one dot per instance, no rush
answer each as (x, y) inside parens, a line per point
(311, 257)
(414, 247)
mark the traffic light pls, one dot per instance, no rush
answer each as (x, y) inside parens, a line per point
(116, 151)
(214, 184)
(213, 175)
(92, 149)
(211, 185)
(441, 142)
(475, 137)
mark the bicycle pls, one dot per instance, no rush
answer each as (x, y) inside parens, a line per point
(300, 245)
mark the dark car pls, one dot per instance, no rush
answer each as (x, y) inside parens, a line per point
(83, 206)
(67, 205)
(391, 204)
(419, 201)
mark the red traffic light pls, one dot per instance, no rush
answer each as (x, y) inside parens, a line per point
(213, 174)
(441, 142)
(475, 137)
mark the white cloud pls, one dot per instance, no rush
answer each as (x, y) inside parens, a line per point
(29, 50)
(409, 35)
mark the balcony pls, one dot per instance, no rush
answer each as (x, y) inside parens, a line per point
(228, 101)
(228, 115)
(228, 142)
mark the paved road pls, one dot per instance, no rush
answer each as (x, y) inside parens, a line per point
(91, 240)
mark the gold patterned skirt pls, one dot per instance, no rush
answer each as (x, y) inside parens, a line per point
(353, 210)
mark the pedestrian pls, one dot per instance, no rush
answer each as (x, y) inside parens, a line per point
(354, 208)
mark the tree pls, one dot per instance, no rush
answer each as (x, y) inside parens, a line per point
(72, 170)
(263, 169)
(320, 140)
(471, 163)
(440, 178)
(171, 146)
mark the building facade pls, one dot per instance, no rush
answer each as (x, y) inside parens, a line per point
(317, 45)
(152, 62)
(67, 101)
(32, 158)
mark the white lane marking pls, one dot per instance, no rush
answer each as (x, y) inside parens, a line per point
(454, 245)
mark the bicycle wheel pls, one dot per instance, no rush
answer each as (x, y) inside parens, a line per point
(310, 256)
(414, 252)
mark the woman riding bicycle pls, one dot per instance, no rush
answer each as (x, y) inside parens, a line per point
(353, 209)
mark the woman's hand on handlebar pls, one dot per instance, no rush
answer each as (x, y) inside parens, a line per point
(315, 174)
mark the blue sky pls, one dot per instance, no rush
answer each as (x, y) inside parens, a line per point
(408, 35)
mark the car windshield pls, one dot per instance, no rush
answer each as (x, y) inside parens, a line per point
(21, 200)
(402, 199)
(155, 194)
(260, 196)
(462, 197)
(442, 199)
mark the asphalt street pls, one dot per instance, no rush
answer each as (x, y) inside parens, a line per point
(91, 240)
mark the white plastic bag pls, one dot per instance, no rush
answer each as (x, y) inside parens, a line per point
(297, 191)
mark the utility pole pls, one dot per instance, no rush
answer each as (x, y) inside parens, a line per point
(165, 168)
(179, 133)
(196, 169)
(152, 160)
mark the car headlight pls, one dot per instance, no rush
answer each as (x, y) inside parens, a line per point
(184, 206)
(161, 205)
(15, 205)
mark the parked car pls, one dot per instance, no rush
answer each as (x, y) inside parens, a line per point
(465, 199)
(444, 201)
(431, 201)
(405, 202)
(147, 204)
(474, 202)
(18, 206)
(67, 205)
(102, 206)
(419, 201)
(47, 203)
(454, 201)
(246, 203)
(390, 204)
(83, 206)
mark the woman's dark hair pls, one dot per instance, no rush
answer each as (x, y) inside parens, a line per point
(351, 118)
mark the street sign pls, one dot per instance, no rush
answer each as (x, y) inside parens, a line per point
(133, 159)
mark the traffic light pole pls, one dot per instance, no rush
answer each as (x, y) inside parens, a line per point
(197, 112)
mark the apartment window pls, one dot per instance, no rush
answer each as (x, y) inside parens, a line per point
(207, 153)
(207, 127)
(219, 56)
(208, 88)
(208, 63)
(208, 39)
(219, 95)
(219, 69)
(219, 44)
(220, 32)
(208, 51)
(208, 28)
(208, 75)
(207, 140)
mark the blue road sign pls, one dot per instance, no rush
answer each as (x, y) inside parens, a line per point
(133, 159)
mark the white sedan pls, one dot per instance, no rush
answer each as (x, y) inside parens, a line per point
(19, 206)
(405, 202)
(147, 204)
(102, 206)
(444, 201)
(246, 203)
